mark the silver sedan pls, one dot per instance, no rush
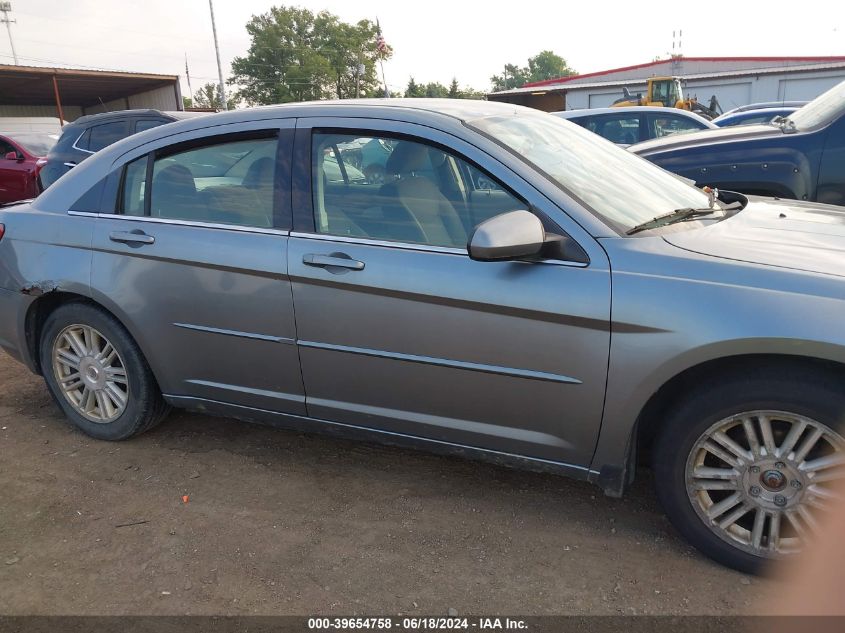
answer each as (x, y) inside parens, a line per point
(465, 277)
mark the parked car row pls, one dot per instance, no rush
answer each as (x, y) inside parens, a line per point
(33, 160)
(512, 288)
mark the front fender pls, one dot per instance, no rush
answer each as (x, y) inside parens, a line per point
(775, 171)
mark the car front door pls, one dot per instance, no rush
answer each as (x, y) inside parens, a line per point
(194, 260)
(14, 174)
(401, 331)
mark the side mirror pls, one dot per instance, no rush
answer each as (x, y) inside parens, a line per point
(513, 235)
(13, 156)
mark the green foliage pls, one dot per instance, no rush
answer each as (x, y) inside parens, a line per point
(297, 55)
(209, 97)
(544, 65)
(437, 90)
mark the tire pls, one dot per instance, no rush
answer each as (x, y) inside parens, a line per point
(769, 478)
(75, 327)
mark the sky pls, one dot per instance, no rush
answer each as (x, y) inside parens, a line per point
(433, 40)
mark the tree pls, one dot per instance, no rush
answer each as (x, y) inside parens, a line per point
(544, 65)
(437, 90)
(209, 97)
(414, 89)
(548, 65)
(296, 55)
(512, 77)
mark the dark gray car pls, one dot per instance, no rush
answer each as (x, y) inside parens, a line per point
(493, 282)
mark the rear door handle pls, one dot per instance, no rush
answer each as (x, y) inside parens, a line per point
(70, 165)
(131, 237)
(334, 260)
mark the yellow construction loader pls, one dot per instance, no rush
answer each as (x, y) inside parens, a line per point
(666, 92)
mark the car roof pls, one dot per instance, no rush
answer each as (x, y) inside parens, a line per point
(577, 114)
(750, 114)
(120, 114)
(767, 104)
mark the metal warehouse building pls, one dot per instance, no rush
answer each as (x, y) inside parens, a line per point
(735, 81)
(69, 93)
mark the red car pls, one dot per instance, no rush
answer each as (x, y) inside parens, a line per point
(22, 155)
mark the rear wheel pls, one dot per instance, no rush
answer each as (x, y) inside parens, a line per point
(747, 470)
(97, 375)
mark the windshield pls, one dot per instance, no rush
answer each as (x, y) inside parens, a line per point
(36, 144)
(622, 188)
(821, 110)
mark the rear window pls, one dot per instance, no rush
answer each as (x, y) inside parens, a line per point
(106, 134)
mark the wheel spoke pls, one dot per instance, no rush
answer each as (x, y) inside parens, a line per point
(116, 374)
(116, 395)
(740, 453)
(791, 438)
(751, 435)
(68, 359)
(823, 463)
(734, 516)
(714, 485)
(774, 531)
(107, 354)
(807, 445)
(825, 493)
(101, 404)
(723, 506)
(705, 472)
(757, 530)
(809, 519)
(75, 343)
(722, 454)
(766, 432)
(795, 522)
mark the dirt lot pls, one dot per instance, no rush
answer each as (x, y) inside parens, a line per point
(283, 523)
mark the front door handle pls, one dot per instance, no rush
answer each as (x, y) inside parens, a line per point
(70, 165)
(333, 260)
(131, 237)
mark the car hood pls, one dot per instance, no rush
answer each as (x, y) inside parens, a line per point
(784, 233)
(705, 137)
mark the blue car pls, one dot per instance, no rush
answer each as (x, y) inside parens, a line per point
(800, 156)
(751, 117)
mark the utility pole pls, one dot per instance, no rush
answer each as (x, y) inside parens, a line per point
(5, 7)
(217, 50)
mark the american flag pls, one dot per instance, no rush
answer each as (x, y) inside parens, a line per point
(381, 44)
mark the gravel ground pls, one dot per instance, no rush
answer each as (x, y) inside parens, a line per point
(278, 522)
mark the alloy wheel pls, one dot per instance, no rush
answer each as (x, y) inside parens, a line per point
(763, 480)
(90, 373)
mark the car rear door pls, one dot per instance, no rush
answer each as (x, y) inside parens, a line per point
(197, 268)
(401, 331)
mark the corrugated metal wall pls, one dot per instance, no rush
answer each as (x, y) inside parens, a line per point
(164, 98)
(71, 112)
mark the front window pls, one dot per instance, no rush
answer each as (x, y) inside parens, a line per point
(398, 189)
(622, 188)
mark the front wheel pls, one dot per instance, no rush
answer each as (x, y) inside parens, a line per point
(746, 470)
(97, 375)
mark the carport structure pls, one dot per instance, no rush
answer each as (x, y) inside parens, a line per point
(70, 93)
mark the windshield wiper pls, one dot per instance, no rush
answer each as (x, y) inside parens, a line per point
(678, 215)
